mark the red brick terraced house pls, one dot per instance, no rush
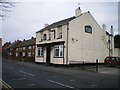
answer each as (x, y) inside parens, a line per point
(21, 50)
(25, 50)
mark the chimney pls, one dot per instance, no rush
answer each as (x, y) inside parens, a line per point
(104, 27)
(45, 25)
(111, 30)
(32, 37)
(104, 32)
(78, 12)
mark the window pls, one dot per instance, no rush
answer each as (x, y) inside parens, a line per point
(44, 37)
(16, 49)
(49, 36)
(29, 47)
(29, 54)
(60, 32)
(40, 51)
(33, 46)
(58, 51)
(23, 54)
(54, 34)
(23, 48)
(16, 54)
(88, 29)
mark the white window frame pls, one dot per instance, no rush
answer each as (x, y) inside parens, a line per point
(59, 32)
(23, 48)
(29, 47)
(40, 51)
(49, 35)
(23, 54)
(16, 54)
(60, 52)
(29, 54)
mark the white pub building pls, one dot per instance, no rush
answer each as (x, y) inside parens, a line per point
(74, 40)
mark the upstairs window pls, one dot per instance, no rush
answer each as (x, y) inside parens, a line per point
(88, 29)
(23, 48)
(59, 32)
(49, 36)
(44, 37)
(29, 47)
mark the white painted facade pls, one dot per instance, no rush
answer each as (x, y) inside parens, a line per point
(78, 45)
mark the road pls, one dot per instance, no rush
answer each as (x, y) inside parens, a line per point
(30, 75)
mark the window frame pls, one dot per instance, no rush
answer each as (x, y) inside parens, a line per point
(40, 51)
(88, 29)
(59, 32)
(60, 49)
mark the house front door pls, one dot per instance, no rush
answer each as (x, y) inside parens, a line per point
(48, 55)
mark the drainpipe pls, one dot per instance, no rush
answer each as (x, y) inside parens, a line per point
(67, 45)
(109, 44)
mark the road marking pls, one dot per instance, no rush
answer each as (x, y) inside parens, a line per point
(19, 79)
(72, 80)
(26, 73)
(31, 84)
(63, 84)
(94, 85)
(8, 87)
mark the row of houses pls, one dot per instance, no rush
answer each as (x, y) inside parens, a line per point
(22, 50)
(69, 41)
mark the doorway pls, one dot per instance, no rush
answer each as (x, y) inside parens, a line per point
(48, 50)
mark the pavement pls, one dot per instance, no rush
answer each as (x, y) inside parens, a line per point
(31, 75)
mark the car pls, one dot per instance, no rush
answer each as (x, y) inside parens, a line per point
(112, 61)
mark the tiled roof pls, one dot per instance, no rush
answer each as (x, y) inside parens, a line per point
(26, 42)
(59, 23)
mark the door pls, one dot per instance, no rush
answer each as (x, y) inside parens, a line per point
(48, 55)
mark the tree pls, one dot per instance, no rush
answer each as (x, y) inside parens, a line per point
(5, 6)
(117, 41)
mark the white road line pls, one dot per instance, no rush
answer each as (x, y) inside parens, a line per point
(63, 84)
(31, 84)
(26, 73)
(19, 79)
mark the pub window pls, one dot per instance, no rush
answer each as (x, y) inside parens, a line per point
(40, 51)
(88, 29)
(58, 51)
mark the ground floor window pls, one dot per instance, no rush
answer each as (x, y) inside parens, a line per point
(29, 54)
(16, 54)
(58, 51)
(23, 54)
(40, 51)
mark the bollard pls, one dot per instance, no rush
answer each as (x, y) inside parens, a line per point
(96, 65)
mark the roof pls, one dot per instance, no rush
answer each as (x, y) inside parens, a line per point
(59, 23)
(12, 45)
(26, 42)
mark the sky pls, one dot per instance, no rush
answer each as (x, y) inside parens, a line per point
(28, 17)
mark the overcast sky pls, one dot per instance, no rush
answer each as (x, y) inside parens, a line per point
(28, 17)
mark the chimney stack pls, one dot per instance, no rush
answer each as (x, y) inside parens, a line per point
(78, 12)
(112, 30)
(45, 25)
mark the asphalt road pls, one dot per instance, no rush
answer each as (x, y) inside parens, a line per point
(30, 75)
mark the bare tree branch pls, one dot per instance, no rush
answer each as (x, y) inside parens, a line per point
(5, 6)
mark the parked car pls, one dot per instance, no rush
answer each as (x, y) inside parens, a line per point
(112, 61)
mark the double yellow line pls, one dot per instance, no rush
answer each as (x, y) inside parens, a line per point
(5, 85)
